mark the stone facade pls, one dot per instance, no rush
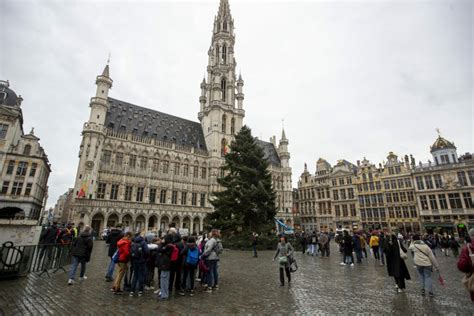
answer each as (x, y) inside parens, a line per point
(148, 169)
(395, 195)
(444, 190)
(24, 170)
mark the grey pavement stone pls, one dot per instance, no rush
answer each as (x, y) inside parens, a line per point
(247, 286)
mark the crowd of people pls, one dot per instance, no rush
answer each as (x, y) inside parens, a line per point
(160, 262)
(388, 249)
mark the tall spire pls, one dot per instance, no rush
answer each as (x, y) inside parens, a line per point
(224, 9)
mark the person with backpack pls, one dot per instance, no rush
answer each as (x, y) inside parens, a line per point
(112, 238)
(81, 253)
(190, 254)
(123, 257)
(151, 263)
(211, 253)
(424, 261)
(176, 260)
(163, 262)
(139, 255)
(466, 264)
(283, 253)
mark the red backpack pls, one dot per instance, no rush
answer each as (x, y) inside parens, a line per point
(174, 252)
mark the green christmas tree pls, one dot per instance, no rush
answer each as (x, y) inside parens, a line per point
(247, 200)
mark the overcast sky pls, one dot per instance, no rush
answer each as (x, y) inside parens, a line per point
(351, 79)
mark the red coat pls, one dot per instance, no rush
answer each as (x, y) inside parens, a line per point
(465, 264)
(124, 246)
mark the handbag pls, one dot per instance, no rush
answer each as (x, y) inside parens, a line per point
(283, 260)
(403, 254)
(293, 265)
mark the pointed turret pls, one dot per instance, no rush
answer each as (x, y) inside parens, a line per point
(105, 73)
(283, 150)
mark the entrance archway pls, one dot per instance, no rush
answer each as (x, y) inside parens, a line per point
(165, 223)
(97, 224)
(187, 224)
(197, 225)
(140, 223)
(175, 222)
(153, 223)
(127, 222)
(112, 220)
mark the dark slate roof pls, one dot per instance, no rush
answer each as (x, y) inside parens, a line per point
(270, 152)
(129, 118)
(8, 96)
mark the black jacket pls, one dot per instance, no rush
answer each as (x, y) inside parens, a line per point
(163, 258)
(112, 239)
(396, 266)
(50, 235)
(82, 246)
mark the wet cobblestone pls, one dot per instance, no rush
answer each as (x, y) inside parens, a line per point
(247, 286)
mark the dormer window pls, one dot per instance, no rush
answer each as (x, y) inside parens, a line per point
(3, 97)
(27, 150)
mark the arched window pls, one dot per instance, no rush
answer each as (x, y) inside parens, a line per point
(224, 26)
(224, 123)
(232, 126)
(224, 54)
(217, 52)
(26, 150)
(223, 88)
(223, 147)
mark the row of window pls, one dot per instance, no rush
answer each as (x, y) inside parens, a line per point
(399, 183)
(345, 210)
(369, 186)
(439, 201)
(16, 188)
(342, 194)
(310, 193)
(137, 194)
(436, 181)
(372, 213)
(402, 212)
(21, 168)
(341, 181)
(154, 164)
(371, 200)
(403, 196)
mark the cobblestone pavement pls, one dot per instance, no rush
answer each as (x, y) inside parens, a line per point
(247, 286)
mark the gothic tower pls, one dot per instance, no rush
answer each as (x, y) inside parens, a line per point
(221, 111)
(93, 136)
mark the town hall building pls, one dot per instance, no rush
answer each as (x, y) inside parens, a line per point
(147, 169)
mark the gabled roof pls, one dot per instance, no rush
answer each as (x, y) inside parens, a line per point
(133, 119)
(270, 152)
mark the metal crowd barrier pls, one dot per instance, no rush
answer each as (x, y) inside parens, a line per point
(18, 261)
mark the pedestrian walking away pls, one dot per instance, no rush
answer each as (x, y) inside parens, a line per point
(424, 261)
(396, 266)
(81, 254)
